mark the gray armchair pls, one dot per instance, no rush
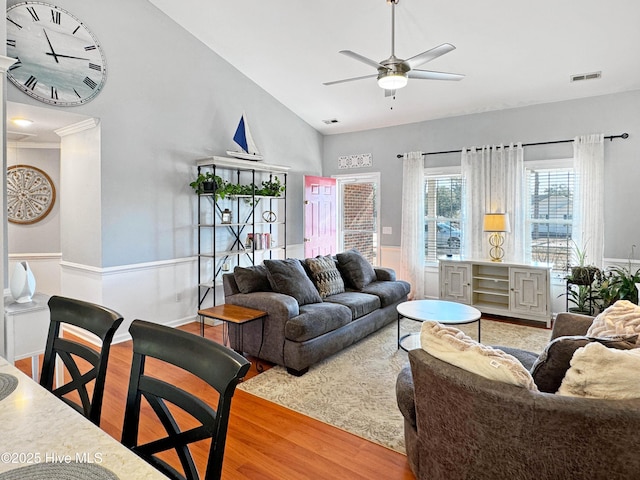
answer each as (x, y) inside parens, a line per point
(462, 426)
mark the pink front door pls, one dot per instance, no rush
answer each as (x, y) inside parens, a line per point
(320, 217)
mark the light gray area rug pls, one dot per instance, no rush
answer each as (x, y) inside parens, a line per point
(354, 390)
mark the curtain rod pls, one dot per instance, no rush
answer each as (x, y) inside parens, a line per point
(610, 137)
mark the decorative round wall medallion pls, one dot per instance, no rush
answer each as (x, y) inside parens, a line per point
(30, 194)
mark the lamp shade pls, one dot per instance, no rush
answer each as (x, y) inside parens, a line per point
(496, 222)
(392, 81)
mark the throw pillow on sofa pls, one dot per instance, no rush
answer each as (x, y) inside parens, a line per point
(453, 346)
(288, 277)
(325, 275)
(553, 363)
(600, 372)
(356, 270)
(252, 279)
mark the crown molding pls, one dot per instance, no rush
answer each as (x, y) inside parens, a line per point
(77, 127)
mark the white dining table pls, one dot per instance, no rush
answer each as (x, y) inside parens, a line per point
(39, 432)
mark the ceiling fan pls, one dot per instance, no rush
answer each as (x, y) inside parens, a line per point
(393, 73)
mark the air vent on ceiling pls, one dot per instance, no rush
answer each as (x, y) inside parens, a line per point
(332, 121)
(586, 76)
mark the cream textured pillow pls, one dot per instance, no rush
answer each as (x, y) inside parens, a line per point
(600, 372)
(621, 318)
(452, 346)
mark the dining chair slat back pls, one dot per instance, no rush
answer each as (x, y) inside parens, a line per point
(83, 364)
(220, 367)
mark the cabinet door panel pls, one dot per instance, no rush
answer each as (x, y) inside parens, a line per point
(455, 282)
(529, 291)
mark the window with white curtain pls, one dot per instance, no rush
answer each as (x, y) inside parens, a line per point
(550, 191)
(443, 214)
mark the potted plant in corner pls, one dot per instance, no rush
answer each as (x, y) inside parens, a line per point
(619, 283)
(583, 276)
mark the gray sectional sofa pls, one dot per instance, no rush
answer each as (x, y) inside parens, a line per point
(315, 307)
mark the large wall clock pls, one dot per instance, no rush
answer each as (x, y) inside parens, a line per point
(59, 60)
(30, 194)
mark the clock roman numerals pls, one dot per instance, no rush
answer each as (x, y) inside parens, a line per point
(89, 48)
(55, 17)
(31, 82)
(54, 93)
(18, 64)
(15, 23)
(11, 43)
(93, 66)
(34, 14)
(89, 83)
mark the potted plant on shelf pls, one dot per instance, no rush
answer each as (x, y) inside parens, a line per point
(206, 183)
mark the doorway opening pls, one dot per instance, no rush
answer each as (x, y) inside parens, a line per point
(359, 214)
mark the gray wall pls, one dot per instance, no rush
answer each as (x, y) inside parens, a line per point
(168, 101)
(42, 236)
(610, 114)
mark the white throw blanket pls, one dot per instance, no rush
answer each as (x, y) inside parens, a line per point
(600, 372)
(621, 318)
(453, 346)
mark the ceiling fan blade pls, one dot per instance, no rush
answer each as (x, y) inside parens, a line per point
(360, 58)
(350, 79)
(429, 55)
(431, 75)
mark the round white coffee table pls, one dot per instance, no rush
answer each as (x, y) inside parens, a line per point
(441, 311)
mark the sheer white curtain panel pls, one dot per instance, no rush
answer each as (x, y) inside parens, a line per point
(494, 182)
(412, 235)
(588, 206)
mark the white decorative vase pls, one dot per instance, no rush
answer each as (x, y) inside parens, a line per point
(23, 283)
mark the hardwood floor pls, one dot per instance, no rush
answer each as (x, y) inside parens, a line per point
(264, 441)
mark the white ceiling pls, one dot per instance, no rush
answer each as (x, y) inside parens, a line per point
(514, 53)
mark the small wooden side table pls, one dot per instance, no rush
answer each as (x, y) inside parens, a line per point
(231, 314)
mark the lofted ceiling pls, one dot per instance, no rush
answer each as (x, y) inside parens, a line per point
(513, 53)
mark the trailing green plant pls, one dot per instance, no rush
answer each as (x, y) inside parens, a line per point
(199, 183)
(224, 189)
(271, 188)
(582, 274)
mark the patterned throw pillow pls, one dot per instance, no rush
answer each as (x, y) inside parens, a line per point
(325, 275)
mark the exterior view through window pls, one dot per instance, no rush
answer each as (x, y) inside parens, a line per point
(443, 208)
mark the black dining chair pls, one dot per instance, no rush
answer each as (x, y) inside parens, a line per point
(84, 364)
(220, 367)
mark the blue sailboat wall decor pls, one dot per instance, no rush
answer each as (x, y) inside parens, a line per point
(244, 139)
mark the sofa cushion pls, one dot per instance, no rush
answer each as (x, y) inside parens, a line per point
(359, 303)
(553, 363)
(325, 275)
(252, 279)
(388, 292)
(316, 319)
(288, 277)
(452, 346)
(600, 372)
(356, 270)
(621, 318)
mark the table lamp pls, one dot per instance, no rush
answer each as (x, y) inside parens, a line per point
(497, 224)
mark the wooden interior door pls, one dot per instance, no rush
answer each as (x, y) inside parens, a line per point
(320, 217)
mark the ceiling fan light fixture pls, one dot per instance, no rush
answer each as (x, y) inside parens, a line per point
(393, 81)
